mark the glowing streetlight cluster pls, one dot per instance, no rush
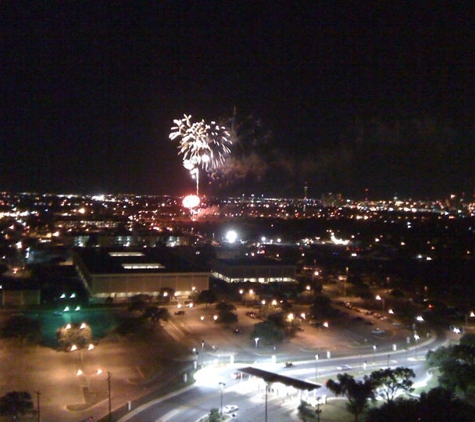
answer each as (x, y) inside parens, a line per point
(202, 145)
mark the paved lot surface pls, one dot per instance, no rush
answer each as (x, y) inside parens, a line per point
(141, 360)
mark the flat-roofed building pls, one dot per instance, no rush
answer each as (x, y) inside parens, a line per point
(121, 273)
(254, 270)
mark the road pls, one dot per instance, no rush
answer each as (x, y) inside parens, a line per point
(65, 395)
(249, 394)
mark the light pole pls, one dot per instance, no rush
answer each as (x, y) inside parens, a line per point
(344, 281)
(109, 394)
(374, 354)
(256, 340)
(267, 387)
(318, 411)
(378, 297)
(222, 385)
(316, 366)
(416, 338)
(467, 315)
(38, 405)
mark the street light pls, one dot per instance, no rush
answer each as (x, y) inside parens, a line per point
(318, 411)
(468, 315)
(345, 280)
(267, 388)
(222, 385)
(38, 393)
(378, 297)
(256, 340)
(109, 394)
(316, 366)
(374, 353)
(416, 338)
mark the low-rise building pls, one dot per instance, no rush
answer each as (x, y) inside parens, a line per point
(120, 273)
(254, 270)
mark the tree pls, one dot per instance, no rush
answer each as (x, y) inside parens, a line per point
(267, 332)
(21, 328)
(207, 297)
(225, 307)
(456, 364)
(390, 382)
(79, 335)
(214, 415)
(156, 314)
(137, 306)
(306, 412)
(401, 409)
(357, 392)
(227, 318)
(16, 403)
(437, 405)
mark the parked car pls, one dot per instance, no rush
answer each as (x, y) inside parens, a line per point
(180, 313)
(289, 364)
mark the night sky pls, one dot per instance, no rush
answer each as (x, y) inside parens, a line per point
(343, 96)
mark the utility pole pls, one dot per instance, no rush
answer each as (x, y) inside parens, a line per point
(109, 394)
(222, 385)
(318, 411)
(38, 405)
(267, 388)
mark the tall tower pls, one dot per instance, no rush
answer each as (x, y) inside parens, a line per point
(305, 191)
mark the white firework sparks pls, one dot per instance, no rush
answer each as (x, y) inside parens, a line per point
(202, 145)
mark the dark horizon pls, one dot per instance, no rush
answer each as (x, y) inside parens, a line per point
(342, 97)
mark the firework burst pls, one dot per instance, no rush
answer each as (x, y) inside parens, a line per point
(202, 146)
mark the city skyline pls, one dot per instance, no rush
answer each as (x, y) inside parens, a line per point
(364, 101)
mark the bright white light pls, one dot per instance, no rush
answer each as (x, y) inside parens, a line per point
(231, 236)
(339, 241)
(191, 201)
